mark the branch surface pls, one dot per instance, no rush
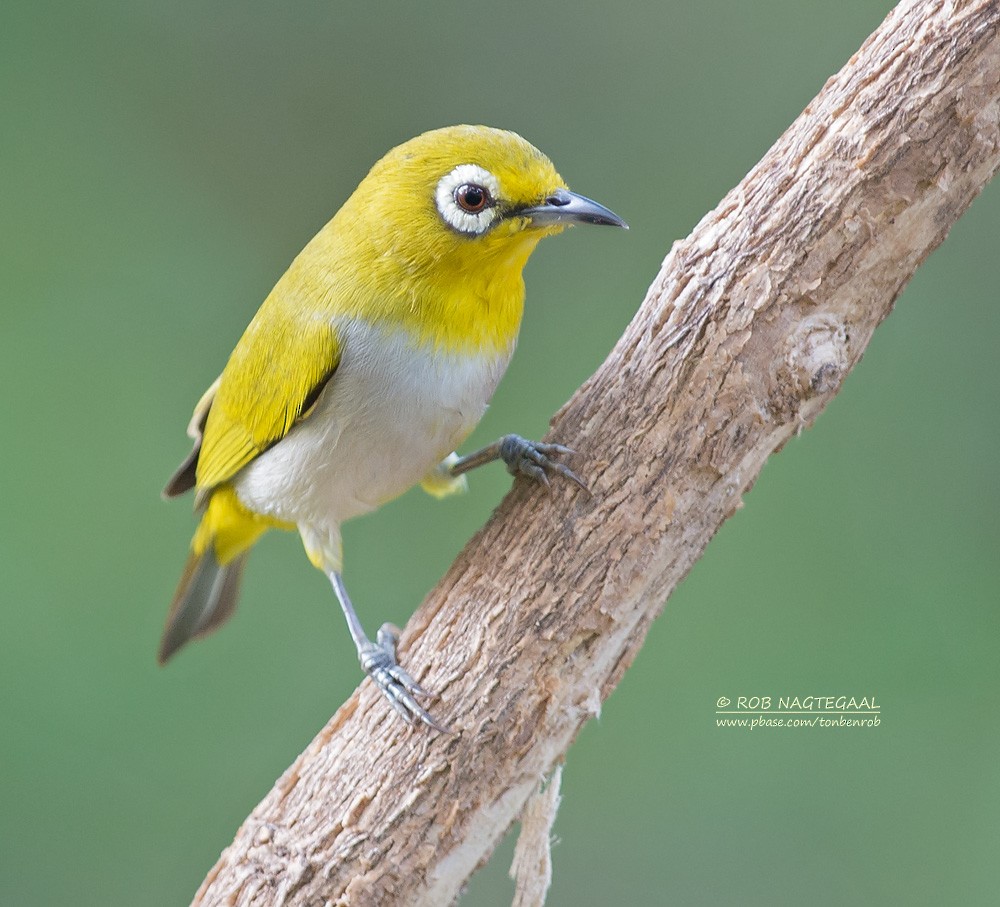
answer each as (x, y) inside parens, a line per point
(747, 332)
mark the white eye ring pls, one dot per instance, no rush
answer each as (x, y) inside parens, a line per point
(468, 222)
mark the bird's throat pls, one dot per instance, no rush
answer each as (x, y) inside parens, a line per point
(477, 307)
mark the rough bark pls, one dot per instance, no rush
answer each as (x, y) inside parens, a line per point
(747, 332)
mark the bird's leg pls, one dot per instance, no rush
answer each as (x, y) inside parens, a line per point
(523, 458)
(378, 661)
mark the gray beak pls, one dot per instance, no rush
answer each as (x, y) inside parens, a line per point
(565, 207)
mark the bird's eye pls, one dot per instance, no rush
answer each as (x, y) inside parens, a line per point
(472, 198)
(466, 199)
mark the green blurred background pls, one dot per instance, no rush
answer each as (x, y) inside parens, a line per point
(162, 163)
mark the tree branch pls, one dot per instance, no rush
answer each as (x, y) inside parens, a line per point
(747, 332)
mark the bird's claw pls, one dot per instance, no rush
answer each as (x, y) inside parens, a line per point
(534, 460)
(378, 661)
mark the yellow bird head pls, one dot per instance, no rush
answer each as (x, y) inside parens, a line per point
(441, 228)
(469, 189)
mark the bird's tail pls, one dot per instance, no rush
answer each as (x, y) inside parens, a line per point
(209, 588)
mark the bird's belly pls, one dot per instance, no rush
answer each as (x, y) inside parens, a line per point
(391, 412)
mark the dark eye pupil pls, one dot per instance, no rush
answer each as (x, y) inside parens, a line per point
(472, 198)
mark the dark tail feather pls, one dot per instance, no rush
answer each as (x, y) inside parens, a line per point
(205, 599)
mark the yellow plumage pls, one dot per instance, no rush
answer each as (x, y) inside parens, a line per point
(372, 358)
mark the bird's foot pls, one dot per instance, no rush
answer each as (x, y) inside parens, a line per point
(378, 661)
(534, 460)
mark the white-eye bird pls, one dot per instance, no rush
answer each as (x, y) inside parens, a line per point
(371, 360)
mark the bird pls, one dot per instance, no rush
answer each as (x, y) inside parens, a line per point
(373, 357)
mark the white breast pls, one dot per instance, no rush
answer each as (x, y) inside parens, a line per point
(390, 413)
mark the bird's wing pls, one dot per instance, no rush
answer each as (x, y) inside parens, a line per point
(272, 380)
(183, 478)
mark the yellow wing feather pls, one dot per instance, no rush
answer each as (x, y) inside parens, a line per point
(273, 377)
